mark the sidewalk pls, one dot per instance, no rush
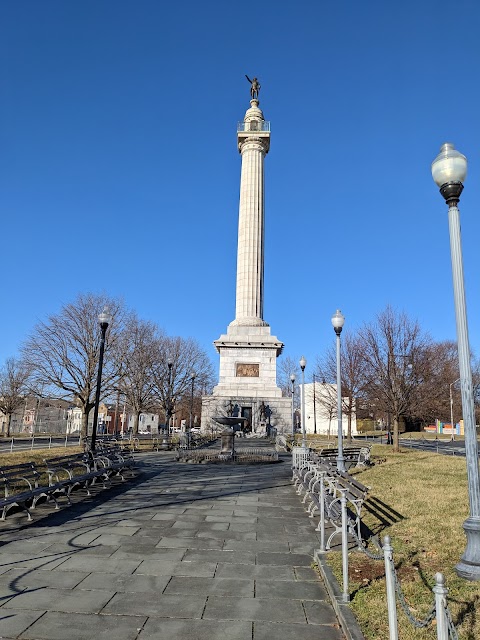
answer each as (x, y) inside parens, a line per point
(200, 552)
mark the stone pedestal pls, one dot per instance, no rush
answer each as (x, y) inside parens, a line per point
(228, 441)
(280, 418)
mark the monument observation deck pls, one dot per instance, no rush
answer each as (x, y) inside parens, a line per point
(254, 125)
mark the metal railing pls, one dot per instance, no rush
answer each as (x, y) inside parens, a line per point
(299, 457)
(253, 126)
(39, 442)
(249, 454)
(439, 611)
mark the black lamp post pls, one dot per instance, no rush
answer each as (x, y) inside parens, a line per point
(292, 380)
(169, 396)
(192, 378)
(104, 319)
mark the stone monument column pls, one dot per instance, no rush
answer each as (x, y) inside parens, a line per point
(253, 143)
(248, 351)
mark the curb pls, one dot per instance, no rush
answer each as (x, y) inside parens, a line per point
(345, 616)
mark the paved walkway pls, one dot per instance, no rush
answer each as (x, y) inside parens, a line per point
(202, 552)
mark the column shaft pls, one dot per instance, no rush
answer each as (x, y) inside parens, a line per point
(250, 256)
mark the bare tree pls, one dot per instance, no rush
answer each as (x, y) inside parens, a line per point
(63, 352)
(352, 371)
(325, 398)
(175, 360)
(286, 366)
(137, 354)
(435, 370)
(14, 378)
(395, 351)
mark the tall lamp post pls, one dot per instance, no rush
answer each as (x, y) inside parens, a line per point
(104, 319)
(314, 408)
(169, 395)
(451, 406)
(192, 379)
(449, 170)
(338, 321)
(292, 380)
(303, 364)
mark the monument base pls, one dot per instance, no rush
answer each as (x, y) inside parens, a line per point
(263, 416)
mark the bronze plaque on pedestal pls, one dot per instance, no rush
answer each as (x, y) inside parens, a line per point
(245, 370)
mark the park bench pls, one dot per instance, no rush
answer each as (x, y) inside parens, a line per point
(332, 494)
(75, 470)
(341, 485)
(354, 455)
(22, 488)
(24, 484)
(114, 460)
(163, 443)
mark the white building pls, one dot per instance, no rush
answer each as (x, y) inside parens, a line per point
(74, 420)
(147, 422)
(321, 410)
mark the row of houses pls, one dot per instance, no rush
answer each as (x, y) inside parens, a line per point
(58, 416)
(112, 420)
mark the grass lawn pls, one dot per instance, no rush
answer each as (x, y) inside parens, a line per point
(36, 455)
(420, 500)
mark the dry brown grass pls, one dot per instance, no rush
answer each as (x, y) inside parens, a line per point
(420, 500)
(36, 455)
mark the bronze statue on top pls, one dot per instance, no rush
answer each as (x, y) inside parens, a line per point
(254, 88)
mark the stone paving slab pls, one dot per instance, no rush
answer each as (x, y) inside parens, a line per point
(166, 568)
(14, 621)
(163, 629)
(75, 626)
(200, 552)
(124, 584)
(276, 631)
(43, 599)
(250, 571)
(290, 589)
(21, 579)
(254, 609)
(160, 605)
(211, 586)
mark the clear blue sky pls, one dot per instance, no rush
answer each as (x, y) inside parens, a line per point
(119, 170)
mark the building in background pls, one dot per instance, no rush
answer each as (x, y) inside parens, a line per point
(147, 423)
(321, 410)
